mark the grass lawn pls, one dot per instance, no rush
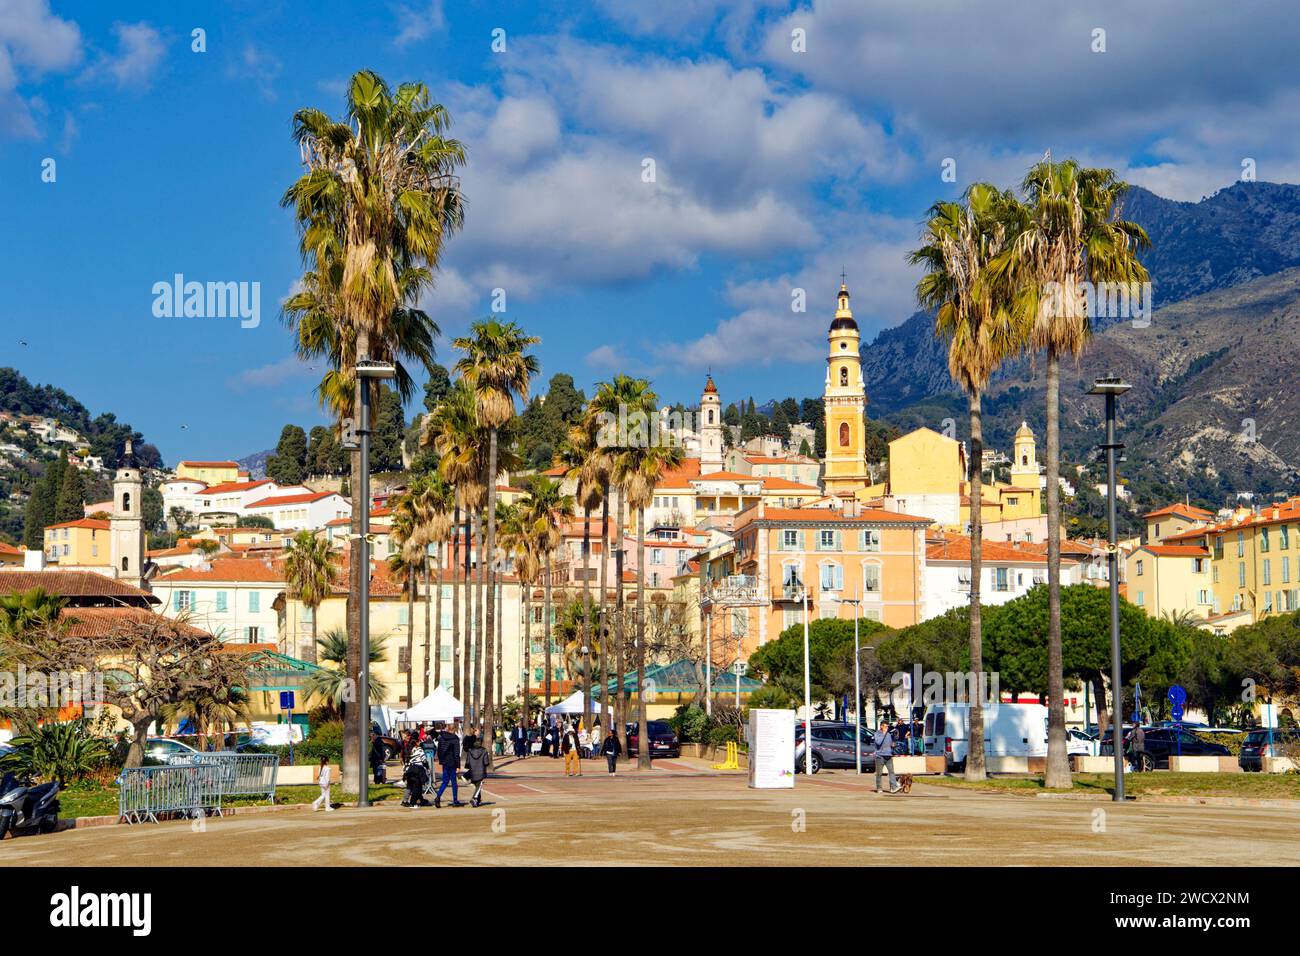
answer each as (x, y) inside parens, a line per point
(1257, 785)
(92, 800)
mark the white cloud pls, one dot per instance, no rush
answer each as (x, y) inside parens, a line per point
(140, 49)
(419, 23)
(260, 66)
(33, 42)
(274, 373)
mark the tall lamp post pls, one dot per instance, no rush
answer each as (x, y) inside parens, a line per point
(367, 370)
(1112, 389)
(807, 691)
(857, 690)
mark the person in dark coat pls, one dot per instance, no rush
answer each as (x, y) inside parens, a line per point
(378, 754)
(520, 737)
(449, 761)
(612, 750)
(476, 768)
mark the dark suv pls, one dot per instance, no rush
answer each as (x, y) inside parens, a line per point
(833, 746)
(1255, 747)
(1161, 743)
(663, 742)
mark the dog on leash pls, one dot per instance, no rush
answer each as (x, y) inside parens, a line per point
(904, 783)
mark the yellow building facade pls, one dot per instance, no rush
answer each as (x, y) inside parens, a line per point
(209, 472)
(85, 543)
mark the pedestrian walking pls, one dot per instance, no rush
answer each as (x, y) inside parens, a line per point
(449, 761)
(572, 753)
(377, 756)
(520, 738)
(323, 778)
(612, 750)
(476, 768)
(884, 749)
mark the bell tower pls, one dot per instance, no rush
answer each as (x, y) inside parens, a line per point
(126, 526)
(710, 429)
(845, 401)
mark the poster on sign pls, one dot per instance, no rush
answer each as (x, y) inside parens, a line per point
(771, 749)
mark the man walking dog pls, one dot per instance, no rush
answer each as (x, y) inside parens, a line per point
(884, 748)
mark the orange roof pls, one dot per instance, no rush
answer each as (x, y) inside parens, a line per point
(74, 585)
(103, 621)
(95, 524)
(9, 549)
(780, 460)
(210, 464)
(830, 515)
(228, 569)
(727, 476)
(680, 476)
(785, 484)
(1175, 550)
(958, 548)
(292, 499)
(1189, 511)
(228, 486)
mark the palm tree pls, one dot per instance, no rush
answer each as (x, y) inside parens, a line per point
(639, 470)
(1068, 231)
(625, 399)
(957, 245)
(518, 539)
(211, 707)
(497, 369)
(376, 204)
(405, 563)
(309, 576)
(435, 501)
(546, 508)
(455, 433)
(327, 683)
(586, 464)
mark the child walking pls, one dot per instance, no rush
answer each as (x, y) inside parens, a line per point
(324, 780)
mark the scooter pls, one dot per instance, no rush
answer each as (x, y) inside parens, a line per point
(23, 806)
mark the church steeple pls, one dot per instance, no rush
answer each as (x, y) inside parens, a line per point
(126, 527)
(845, 467)
(711, 455)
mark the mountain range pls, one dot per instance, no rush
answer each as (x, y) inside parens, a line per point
(1216, 397)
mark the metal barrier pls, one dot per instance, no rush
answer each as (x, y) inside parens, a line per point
(244, 775)
(197, 785)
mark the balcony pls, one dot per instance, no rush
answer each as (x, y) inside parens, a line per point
(736, 590)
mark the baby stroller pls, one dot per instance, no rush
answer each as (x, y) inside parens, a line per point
(417, 779)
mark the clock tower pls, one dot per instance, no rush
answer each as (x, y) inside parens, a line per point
(845, 466)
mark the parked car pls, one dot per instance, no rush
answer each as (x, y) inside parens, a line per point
(167, 750)
(1255, 747)
(1161, 743)
(833, 746)
(663, 741)
(1079, 743)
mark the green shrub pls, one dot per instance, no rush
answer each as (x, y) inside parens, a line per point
(691, 724)
(59, 752)
(720, 736)
(771, 697)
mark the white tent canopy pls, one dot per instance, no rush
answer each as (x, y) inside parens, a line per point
(573, 705)
(439, 705)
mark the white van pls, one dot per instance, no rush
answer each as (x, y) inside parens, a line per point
(1010, 730)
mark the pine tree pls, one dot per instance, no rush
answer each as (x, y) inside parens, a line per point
(288, 465)
(70, 503)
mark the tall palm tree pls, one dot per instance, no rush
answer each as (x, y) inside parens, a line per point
(327, 683)
(623, 399)
(378, 200)
(546, 509)
(586, 463)
(435, 501)
(639, 470)
(518, 539)
(406, 563)
(1068, 232)
(309, 576)
(454, 431)
(497, 369)
(958, 243)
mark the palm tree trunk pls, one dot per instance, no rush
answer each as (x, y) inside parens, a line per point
(427, 626)
(410, 636)
(352, 720)
(479, 589)
(528, 654)
(603, 617)
(1058, 766)
(547, 622)
(501, 623)
(975, 769)
(456, 629)
(620, 709)
(586, 618)
(643, 742)
(311, 656)
(467, 632)
(437, 626)
(489, 693)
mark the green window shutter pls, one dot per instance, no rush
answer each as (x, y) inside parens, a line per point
(221, 601)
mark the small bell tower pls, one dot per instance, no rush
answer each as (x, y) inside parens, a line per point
(127, 521)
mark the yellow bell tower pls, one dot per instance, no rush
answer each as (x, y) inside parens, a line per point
(845, 465)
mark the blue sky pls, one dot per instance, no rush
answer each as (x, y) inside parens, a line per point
(789, 141)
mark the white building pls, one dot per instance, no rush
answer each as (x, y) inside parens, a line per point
(1008, 572)
(233, 598)
(312, 510)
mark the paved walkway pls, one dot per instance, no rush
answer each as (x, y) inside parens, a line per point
(684, 813)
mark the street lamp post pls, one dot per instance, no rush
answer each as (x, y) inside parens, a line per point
(708, 662)
(1112, 389)
(807, 692)
(366, 370)
(857, 690)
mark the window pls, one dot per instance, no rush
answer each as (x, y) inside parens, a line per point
(444, 652)
(1268, 601)
(844, 434)
(254, 601)
(1202, 597)
(1241, 544)
(832, 577)
(221, 602)
(656, 556)
(791, 617)
(1263, 539)
(739, 622)
(871, 579)
(305, 614)
(789, 540)
(828, 540)
(844, 380)
(1141, 599)
(871, 540)
(1001, 580)
(1139, 568)
(94, 550)
(1286, 570)
(403, 660)
(180, 600)
(790, 577)
(253, 633)
(1268, 571)
(1241, 574)
(1283, 538)
(1198, 565)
